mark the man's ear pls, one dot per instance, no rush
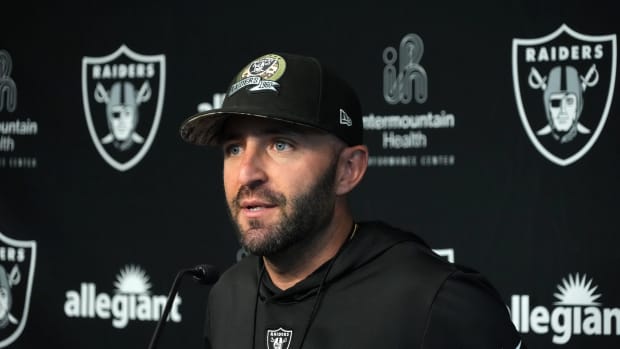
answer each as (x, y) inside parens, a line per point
(352, 164)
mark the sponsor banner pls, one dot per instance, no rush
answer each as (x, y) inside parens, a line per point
(564, 85)
(406, 140)
(131, 300)
(123, 97)
(218, 99)
(16, 129)
(578, 311)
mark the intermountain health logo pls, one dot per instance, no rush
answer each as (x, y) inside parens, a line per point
(564, 85)
(577, 311)
(15, 129)
(123, 97)
(8, 88)
(17, 264)
(131, 300)
(398, 136)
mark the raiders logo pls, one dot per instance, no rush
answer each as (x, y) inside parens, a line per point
(279, 339)
(123, 95)
(17, 263)
(260, 75)
(564, 85)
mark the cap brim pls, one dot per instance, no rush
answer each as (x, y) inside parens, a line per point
(204, 128)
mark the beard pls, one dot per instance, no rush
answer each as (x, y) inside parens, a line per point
(308, 213)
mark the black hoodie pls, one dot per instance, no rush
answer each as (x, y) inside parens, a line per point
(384, 289)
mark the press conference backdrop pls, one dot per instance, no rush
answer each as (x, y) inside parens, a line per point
(492, 126)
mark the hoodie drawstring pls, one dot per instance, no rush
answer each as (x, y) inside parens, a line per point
(319, 293)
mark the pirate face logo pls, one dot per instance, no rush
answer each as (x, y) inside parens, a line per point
(122, 103)
(123, 98)
(563, 100)
(263, 67)
(564, 85)
(17, 264)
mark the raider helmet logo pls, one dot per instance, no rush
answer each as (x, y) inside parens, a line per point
(260, 75)
(123, 96)
(17, 262)
(279, 339)
(564, 84)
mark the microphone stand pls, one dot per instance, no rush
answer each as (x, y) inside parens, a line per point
(202, 274)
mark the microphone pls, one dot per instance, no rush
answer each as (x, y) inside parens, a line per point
(203, 274)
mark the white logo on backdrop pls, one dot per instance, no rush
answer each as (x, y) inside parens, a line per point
(13, 132)
(398, 85)
(575, 75)
(123, 96)
(8, 89)
(577, 311)
(131, 300)
(405, 140)
(17, 264)
(218, 99)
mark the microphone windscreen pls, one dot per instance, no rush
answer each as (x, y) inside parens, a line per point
(205, 274)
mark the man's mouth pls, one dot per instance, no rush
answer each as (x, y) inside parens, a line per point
(256, 205)
(255, 208)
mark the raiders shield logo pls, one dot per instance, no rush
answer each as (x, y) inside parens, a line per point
(279, 339)
(17, 262)
(564, 85)
(123, 95)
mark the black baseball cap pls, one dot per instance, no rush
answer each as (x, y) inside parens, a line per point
(285, 87)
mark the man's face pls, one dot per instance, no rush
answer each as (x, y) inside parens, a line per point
(563, 109)
(278, 181)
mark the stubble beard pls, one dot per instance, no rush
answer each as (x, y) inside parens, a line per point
(310, 212)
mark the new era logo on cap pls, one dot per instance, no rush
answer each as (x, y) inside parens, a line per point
(345, 119)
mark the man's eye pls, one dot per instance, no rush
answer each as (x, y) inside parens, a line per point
(281, 146)
(232, 150)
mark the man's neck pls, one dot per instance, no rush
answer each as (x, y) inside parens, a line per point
(295, 264)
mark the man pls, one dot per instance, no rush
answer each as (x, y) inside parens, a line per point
(291, 134)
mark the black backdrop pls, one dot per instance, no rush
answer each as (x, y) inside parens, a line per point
(85, 246)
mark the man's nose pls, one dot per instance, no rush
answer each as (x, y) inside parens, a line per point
(252, 168)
